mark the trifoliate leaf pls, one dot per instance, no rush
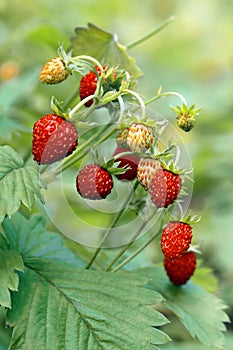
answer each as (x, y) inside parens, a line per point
(18, 184)
(9, 262)
(69, 308)
(201, 313)
(32, 240)
(103, 46)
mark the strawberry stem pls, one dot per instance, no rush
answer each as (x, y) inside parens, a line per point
(140, 100)
(80, 104)
(123, 250)
(139, 250)
(151, 34)
(76, 156)
(163, 94)
(109, 229)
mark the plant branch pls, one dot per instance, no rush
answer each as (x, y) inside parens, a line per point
(159, 95)
(123, 250)
(151, 34)
(109, 229)
(139, 250)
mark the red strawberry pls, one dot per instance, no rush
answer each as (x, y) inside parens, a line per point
(176, 239)
(88, 84)
(127, 161)
(165, 187)
(53, 139)
(94, 182)
(180, 270)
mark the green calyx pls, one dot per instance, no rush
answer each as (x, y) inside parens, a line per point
(185, 116)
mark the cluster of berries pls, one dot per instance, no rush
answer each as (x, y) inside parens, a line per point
(56, 137)
(179, 262)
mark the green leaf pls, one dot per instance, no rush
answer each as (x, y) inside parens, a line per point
(62, 306)
(18, 184)
(31, 239)
(201, 313)
(204, 278)
(103, 46)
(9, 262)
(70, 308)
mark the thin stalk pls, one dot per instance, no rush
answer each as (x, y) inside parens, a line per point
(70, 162)
(151, 34)
(140, 100)
(90, 59)
(127, 246)
(109, 229)
(77, 156)
(80, 104)
(167, 94)
(138, 251)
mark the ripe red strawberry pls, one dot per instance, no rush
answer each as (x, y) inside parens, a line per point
(54, 71)
(94, 182)
(127, 161)
(165, 187)
(147, 168)
(88, 84)
(140, 137)
(180, 270)
(176, 239)
(53, 139)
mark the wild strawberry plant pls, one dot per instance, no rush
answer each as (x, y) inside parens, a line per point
(89, 284)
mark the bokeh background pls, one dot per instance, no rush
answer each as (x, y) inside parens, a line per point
(193, 55)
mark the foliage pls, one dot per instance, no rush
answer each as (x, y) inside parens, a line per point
(52, 300)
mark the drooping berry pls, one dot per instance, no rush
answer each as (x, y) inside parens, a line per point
(180, 270)
(140, 137)
(53, 139)
(176, 239)
(129, 160)
(94, 182)
(53, 72)
(147, 168)
(165, 187)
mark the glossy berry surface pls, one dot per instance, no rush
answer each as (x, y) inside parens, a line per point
(164, 188)
(180, 270)
(94, 182)
(176, 239)
(53, 139)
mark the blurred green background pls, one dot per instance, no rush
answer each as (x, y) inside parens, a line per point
(193, 55)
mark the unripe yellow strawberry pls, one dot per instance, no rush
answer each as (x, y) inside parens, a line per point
(54, 71)
(140, 137)
(146, 170)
